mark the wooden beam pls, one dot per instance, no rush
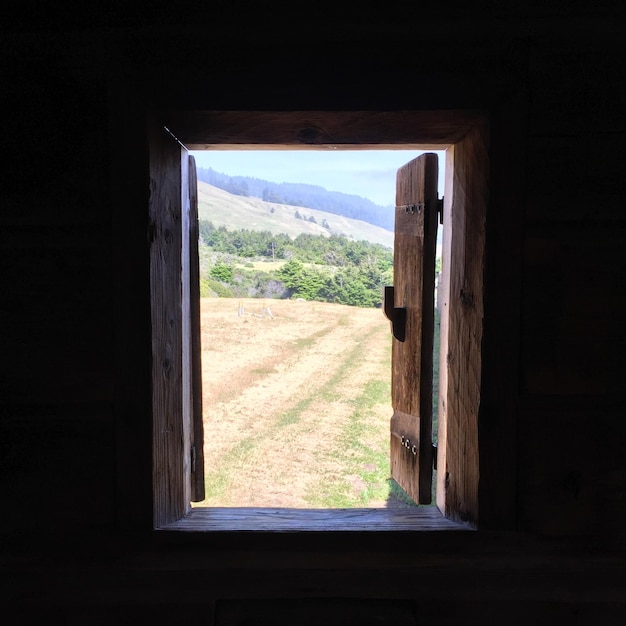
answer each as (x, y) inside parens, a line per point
(315, 130)
(170, 430)
(461, 362)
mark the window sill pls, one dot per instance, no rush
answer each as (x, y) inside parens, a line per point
(279, 520)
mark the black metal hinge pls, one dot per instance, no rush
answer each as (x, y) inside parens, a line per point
(434, 456)
(440, 209)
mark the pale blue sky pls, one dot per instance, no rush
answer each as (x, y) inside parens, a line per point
(367, 173)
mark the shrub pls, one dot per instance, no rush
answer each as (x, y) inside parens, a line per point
(220, 290)
(222, 272)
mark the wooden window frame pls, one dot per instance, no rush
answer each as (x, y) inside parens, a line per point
(464, 135)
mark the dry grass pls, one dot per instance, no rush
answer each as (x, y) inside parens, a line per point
(296, 407)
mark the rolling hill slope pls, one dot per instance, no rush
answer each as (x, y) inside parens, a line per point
(236, 212)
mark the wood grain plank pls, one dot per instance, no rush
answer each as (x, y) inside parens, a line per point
(415, 237)
(574, 335)
(462, 320)
(130, 297)
(504, 226)
(314, 520)
(315, 611)
(358, 130)
(169, 429)
(568, 93)
(585, 184)
(582, 490)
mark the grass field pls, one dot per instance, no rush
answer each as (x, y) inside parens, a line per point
(296, 405)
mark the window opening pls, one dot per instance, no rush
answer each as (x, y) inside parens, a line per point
(296, 352)
(176, 427)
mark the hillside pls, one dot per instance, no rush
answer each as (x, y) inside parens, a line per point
(235, 212)
(302, 195)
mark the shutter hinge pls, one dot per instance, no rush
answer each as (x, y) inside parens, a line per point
(440, 209)
(192, 454)
(434, 456)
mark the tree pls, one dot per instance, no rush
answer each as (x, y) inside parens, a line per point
(291, 274)
(222, 272)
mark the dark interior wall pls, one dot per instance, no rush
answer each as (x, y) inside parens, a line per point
(74, 383)
(573, 330)
(57, 325)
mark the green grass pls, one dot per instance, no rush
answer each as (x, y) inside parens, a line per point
(218, 482)
(397, 492)
(369, 463)
(306, 342)
(361, 452)
(294, 414)
(365, 467)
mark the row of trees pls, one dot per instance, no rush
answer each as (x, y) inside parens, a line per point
(326, 250)
(329, 269)
(357, 286)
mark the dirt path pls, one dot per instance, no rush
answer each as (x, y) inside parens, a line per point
(296, 406)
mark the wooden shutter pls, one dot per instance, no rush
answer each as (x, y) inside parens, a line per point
(197, 432)
(413, 317)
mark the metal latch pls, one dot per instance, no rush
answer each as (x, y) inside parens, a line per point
(396, 315)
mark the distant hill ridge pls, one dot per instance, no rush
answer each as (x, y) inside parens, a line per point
(302, 195)
(235, 212)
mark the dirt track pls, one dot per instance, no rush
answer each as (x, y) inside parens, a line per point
(287, 415)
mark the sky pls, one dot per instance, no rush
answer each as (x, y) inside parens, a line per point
(367, 173)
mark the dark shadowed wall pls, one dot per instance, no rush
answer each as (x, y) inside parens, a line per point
(75, 424)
